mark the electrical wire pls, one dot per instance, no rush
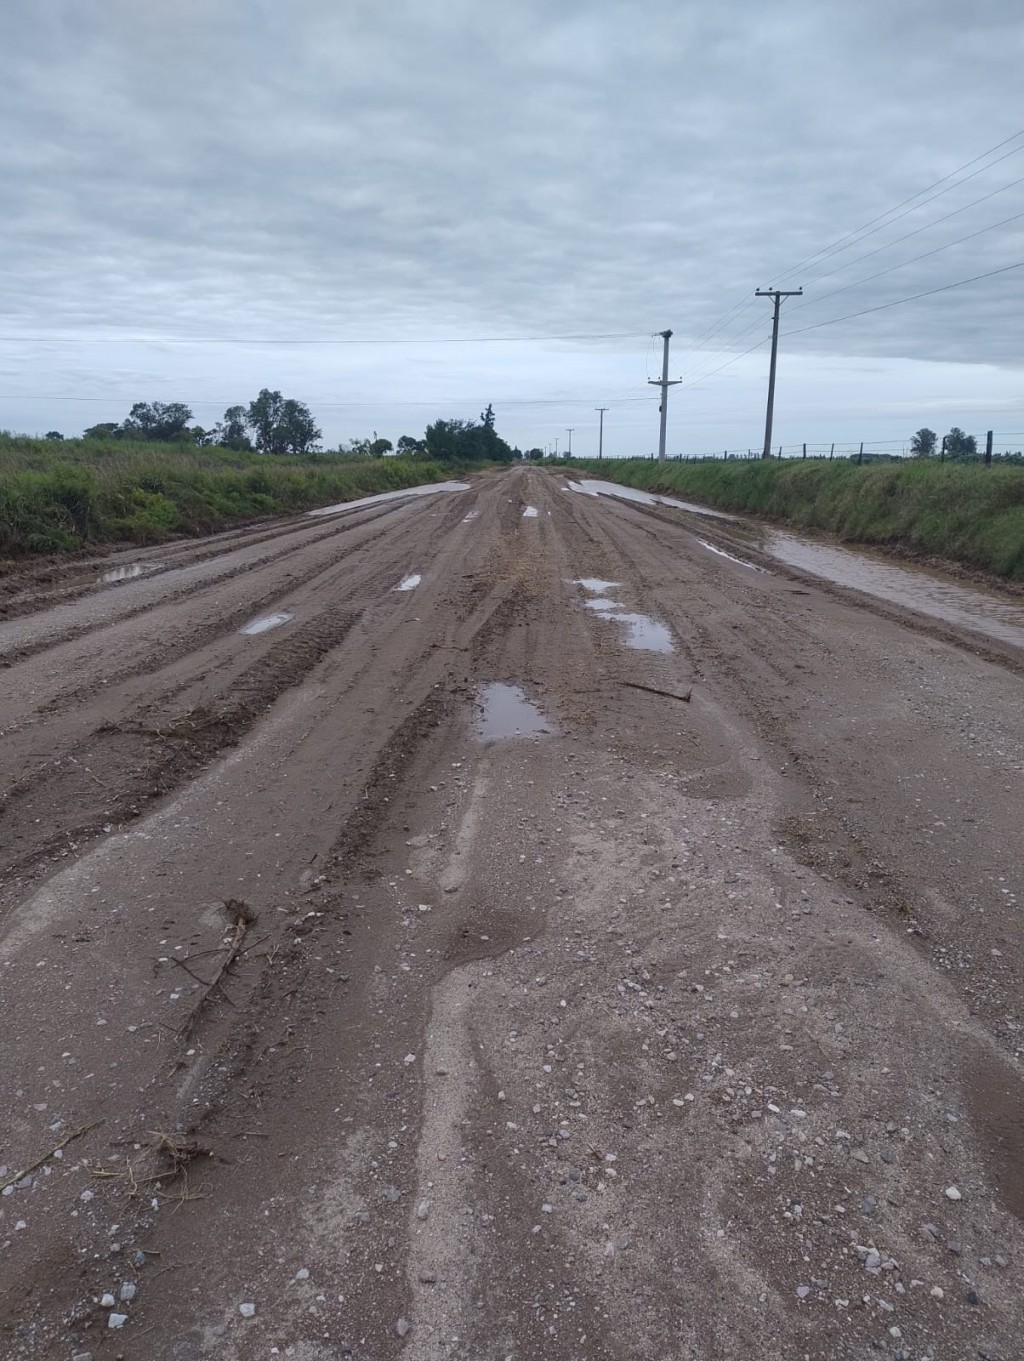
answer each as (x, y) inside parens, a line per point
(237, 340)
(928, 293)
(820, 297)
(860, 232)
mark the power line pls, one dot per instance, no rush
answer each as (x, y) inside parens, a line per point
(860, 232)
(912, 298)
(237, 340)
(820, 297)
(918, 230)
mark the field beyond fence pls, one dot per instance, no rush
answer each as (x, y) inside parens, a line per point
(965, 513)
(60, 497)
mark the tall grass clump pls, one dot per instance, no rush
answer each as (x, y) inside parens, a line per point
(964, 512)
(62, 497)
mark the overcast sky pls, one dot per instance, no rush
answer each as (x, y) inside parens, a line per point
(406, 182)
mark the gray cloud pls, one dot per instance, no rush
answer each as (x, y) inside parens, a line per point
(223, 168)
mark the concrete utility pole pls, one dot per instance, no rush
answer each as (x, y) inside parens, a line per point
(777, 294)
(664, 384)
(600, 432)
(570, 429)
(556, 446)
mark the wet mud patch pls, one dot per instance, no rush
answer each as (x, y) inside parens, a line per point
(995, 1104)
(111, 776)
(375, 810)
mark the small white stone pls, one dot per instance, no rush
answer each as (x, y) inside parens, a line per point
(247, 1310)
(423, 1209)
(302, 1274)
(116, 1320)
(108, 1301)
(128, 1289)
(953, 1194)
(402, 1327)
(937, 1292)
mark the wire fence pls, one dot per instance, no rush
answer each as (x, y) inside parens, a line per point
(992, 446)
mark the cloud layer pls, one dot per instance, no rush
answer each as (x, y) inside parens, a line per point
(223, 169)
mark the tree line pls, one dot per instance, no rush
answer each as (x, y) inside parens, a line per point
(924, 443)
(273, 424)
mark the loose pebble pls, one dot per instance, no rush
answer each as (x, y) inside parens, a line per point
(247, 1310)
(953, 1194)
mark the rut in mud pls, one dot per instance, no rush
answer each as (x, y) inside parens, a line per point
(661, 1020)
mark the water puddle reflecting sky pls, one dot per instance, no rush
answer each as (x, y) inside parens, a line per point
(427, 490)
(129, 571)
(266, 621)
(590, 486)
(915, 589)
(640, 630)
(530, 513)
(409, 583)
(506, 712)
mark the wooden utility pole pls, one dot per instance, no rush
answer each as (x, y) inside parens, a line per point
(664, 384)
(600, 432)
(988, 447)
(777, 294)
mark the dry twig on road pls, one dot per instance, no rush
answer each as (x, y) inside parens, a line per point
(25, 1171)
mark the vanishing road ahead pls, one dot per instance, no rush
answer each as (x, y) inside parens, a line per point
(356, 1003)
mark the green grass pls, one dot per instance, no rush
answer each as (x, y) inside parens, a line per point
(65, 496)
(963, 512)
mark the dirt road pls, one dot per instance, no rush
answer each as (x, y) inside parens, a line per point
(338, 1019)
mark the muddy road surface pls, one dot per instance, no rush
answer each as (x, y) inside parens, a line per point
(502, 924)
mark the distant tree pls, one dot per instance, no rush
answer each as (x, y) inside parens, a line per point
(282, 425)
(105, 430)
(453, 441)
(958, 444)
(356, 448)
(923, 442)
(408, 444)
(299, 431)
(263, 416)
(534, 453)
(380, 447)
(200, 436)
(232, 430)
(157, 420)
(447, 441)
(54, 434)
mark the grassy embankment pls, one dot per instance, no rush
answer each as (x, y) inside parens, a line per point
(965, 513)
(64, 496)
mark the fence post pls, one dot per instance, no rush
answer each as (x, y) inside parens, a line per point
(831, 452)
(860, 455)
(805, 448)
(988, 447)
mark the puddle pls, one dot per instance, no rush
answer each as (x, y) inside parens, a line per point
(506, 712)
(915, 589)
(267, 621)
(129, 571)
(723, 554)
(595, 585)
(471, 516)
(427, 490)
(590, 486)
(530, 513)
(409, 583)
(641, 631)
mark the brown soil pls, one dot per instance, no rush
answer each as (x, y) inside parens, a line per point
(663, 1035)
